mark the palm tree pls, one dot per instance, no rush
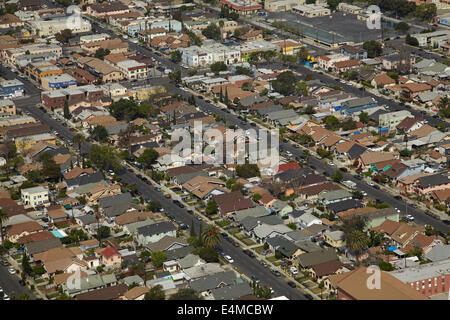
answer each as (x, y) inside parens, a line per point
(443, 102)
(211, 237)
(78, 139)
(357, 240)
(3, 219)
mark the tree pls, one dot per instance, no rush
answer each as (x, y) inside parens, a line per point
(148, 157)
(247, 170)
(332, 4)
(158, 258)
(302, 54)
(207, 253)
(301, 88)
(191, 100)
(337, 176)
(426, 11)
(244, 71)
(348, 124)
(67, 114)
(104, 157)
(154, 206)
(129, 109)
(256, 197)
(26, 267)
(373, 48)
(3, 219)
(402, 27)
(186, 294)
(63, 36)
(218, 66)
(211, 207)
(192, 230)
(212, 31)
(412, 41)
(78, 140)
(285, 83)
(364, 117)
(332, 123)
(234, 16)
(99, 134)
(211, 237)
(175, 76)
(386, 266)
(292, 225)
(155, 293)
(103, 232)
(101, 53)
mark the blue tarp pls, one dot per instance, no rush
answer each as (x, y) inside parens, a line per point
(392, 248)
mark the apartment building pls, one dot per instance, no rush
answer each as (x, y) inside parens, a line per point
(194, 56)
(45, 28)
(35, 196)
(10, 55)
(133, 69)
(391, 120)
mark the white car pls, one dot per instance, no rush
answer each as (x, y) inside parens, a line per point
(397, 210)
(228, 258)
(370, 184)
(6, 297)
(330, 163)
(409, 217)
(11, 271)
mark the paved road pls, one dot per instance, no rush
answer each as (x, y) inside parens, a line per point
(244, 263)
(10, 284)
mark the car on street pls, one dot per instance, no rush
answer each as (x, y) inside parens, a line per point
(22, 283)
(264, 264)
(371, 184)
(275, 272)
(410, 217)
(397, 197)
(6, 297)
(292, 284)
(255, 278)
(309, 297)
(228, 258)
(11, 271)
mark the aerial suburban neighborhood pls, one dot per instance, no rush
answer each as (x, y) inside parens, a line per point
(224, 150)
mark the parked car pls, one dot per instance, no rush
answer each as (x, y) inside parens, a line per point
(255, 278)
(292, 284)
(22, 283)
(309, 297)
(229, 259)
(276, 273)
(11, 271)
(397, 197)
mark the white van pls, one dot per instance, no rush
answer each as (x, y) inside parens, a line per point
(293, 270)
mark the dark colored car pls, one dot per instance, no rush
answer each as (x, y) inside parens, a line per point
(309, 297)
(397, 197)
(190, 211)
(224, 235)
(292, 284)
(255, 278)
(22, 283)
(357, 176)
(343, 169)
(376, 187)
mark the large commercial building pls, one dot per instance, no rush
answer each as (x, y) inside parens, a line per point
(311, 10)
(59, 81)
(56, 98)
(281, 5)
(11, 89)
(431, 38)
(194, 56)
(10, 55)
(45, 28)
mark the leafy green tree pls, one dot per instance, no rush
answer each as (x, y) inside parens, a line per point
(337, 177)
(175, 56)
(426, 11)
(148, 157)
(386, 266)
(64, 35)
(99, 134)
(292, 225)
(256, 197)
(248, 170)
(402, 27)
(218, 66)
(301, 88)
(373, 48)
(26, 267)
(103, 232)
(212, 31)
(101, 53)
(155, 293)
(332, 4)
(332, 123)
(364, 117)
(412, 41)
(207, 253)
(211, 207)
(158, 258)
(285, 83)
(104, 157)
(154, 206)
(186, 294)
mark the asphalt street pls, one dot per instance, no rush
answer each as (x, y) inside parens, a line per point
(10, 284)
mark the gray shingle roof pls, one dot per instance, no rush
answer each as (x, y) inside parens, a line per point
(43, 245)
(156, 228)
(311, 258)
(114, 200)
(344, 205)
(434, 180)
(214, 281)
(232, 292)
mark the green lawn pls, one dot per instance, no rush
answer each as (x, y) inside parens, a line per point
(272, 259)
(223, 223)
(259, 249)
(248, 242)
